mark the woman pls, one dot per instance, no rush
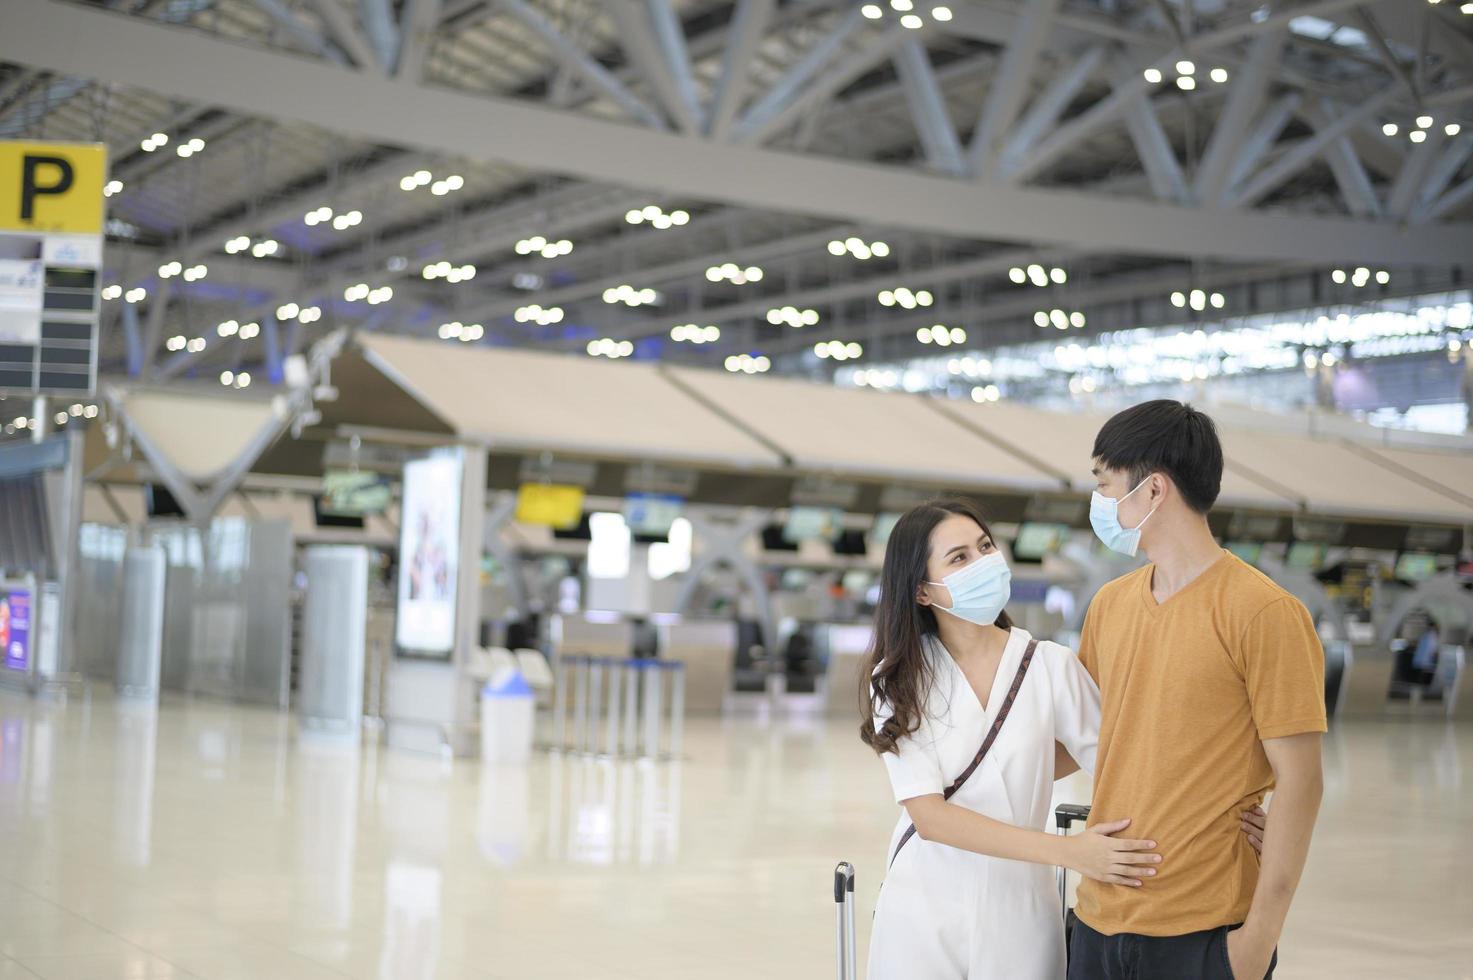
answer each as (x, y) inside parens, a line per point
(949, 908)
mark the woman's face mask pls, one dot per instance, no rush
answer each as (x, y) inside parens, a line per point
(979, 591)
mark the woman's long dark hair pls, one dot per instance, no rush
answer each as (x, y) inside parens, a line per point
(897, 677)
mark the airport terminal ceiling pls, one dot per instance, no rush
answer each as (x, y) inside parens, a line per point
(801, 188)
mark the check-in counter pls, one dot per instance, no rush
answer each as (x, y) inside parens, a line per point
(847, 646)
(708, 649)
(591, 636)
(1363, 689)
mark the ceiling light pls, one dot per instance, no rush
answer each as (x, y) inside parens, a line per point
(958, 335)
(288, 311)
(1185, 67)
(112, 292)
(439, 188)
(1218, 301)
(680, 217)
(1017, 275)
(1058, 275)
(112, 187)
(1186, 83)
(1417, 135)
(1076, 320)
(837, 247)
(1059, 319)
(1452, 129)
(227, 377)
(228, 329)
(1197, 300)
(1219, 75)
(902, 6)
(1152, 75)
(136, 294)
(1383, 277)
(1338, 276)
(1040, 318)
(871, 11)
(455, 182)
(408, 183)
(941, 14)
(912, 22)
(1424, 122)
(1389, 129)
(249, 330)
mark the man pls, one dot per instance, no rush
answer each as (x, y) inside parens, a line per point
(1212, 686)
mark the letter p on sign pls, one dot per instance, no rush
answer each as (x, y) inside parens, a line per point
(52, 187)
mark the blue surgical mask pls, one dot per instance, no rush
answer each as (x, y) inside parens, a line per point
(980, 591)
(1104, 517)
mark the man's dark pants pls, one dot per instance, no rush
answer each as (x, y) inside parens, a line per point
(1194, 956)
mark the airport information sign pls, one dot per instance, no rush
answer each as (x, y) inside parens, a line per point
(51, 224)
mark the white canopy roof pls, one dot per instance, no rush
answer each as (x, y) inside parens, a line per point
(864, 433)
(1331, 478)
(521, 400)
(200, 435)
(1065, 441)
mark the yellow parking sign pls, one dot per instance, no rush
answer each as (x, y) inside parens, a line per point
(50, 188)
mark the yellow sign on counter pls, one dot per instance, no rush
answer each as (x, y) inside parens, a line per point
(550, 504)
(51, 188)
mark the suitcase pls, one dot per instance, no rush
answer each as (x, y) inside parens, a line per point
(1065, 816)
(844, 907)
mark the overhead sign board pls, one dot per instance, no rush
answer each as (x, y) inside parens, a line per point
(52, 188)
(51, 221)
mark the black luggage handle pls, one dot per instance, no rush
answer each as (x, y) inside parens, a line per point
(843, 881)
(1068, 814)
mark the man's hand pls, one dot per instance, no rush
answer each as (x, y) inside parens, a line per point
(1249, 958)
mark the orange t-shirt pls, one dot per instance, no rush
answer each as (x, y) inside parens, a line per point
(1189, 689)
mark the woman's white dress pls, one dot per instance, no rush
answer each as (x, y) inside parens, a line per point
(948, 913)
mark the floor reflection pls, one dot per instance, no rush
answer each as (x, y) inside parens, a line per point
(604, 811)
(411, 947)
(135, 764)
(327, 828)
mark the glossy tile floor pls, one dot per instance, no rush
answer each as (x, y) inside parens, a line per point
(210, 841)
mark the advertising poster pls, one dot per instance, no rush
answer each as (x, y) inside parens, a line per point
(429, 547)
(15, 629)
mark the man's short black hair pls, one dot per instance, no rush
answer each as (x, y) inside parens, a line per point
(1169, 437)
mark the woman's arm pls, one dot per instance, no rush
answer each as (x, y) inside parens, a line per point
(1095, 853)
(1076, 711)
